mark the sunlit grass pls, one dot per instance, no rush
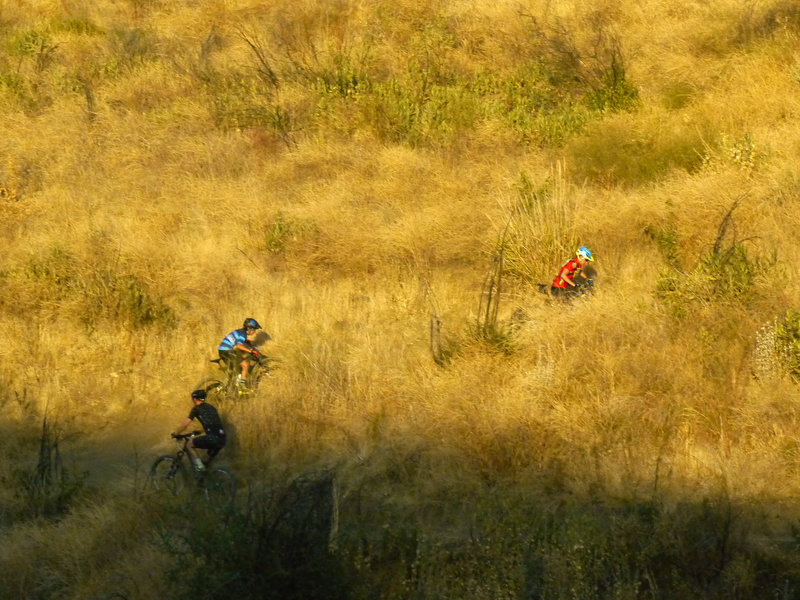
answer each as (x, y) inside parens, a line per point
(347, 173)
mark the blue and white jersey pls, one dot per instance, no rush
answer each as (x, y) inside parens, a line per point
(237, 336)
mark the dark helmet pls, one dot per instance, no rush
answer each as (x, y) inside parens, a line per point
(199, 395)
(251, 324)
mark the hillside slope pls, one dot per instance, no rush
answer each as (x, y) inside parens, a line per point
(359, 176)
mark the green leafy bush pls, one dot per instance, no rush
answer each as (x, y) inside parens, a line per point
(728, 272)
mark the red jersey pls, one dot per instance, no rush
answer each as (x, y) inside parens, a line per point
(572, 268)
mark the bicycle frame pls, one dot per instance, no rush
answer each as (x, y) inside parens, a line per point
(230, 385)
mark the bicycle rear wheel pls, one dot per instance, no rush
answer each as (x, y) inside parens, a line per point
(219, 488)
(213, 386)
(167, 475)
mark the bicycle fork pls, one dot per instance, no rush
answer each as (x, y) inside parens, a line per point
(175, 467)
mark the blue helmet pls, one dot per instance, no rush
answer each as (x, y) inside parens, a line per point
(251, 324)
(584, 253)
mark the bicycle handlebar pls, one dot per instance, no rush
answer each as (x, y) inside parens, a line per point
(186, 436)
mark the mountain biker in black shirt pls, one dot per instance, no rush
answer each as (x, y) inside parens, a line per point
(214, 439)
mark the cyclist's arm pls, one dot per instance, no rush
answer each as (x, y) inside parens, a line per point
(245, 348)
(183, 425)
(563, 275)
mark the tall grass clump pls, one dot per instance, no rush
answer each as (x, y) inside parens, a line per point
(606, 154)
(58, 279)
(540, 231)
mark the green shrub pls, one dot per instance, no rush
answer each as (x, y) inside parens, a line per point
(531, 103)
(728, 272)
(278, 234)
(34, 45)
(726, 276)
(614, 92)
(242, 102)
(343, 79)
(666, 238)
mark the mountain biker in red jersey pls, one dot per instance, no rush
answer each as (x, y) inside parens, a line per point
(564, 283)
(213, 439)
(236, 349)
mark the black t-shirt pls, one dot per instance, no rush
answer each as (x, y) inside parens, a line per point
(209, 419)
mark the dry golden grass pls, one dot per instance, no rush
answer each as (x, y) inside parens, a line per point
(344, 246)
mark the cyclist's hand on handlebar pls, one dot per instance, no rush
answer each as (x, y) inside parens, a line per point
(173, 435)
(255, 354)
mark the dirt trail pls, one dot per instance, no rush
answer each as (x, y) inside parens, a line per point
(120, 454)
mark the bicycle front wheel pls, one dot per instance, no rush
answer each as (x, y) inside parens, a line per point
(219, 488)
(167, 475)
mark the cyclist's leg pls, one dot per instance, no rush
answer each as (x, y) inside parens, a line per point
(212, 444)
(233, 368)
(243, 361)
(211, 454)
(192, 445)
(229, 358)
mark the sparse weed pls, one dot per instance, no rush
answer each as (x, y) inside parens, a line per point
(50, 488)
(786, 343)
(34, 45)
(133, 46)
(78, 25)
(741, 153)
(278, 234)
(771, 355)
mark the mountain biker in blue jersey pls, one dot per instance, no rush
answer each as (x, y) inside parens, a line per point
(236, 348)
(213, 439)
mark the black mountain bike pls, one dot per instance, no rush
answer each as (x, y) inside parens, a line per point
(580, 290)
(173, 474)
